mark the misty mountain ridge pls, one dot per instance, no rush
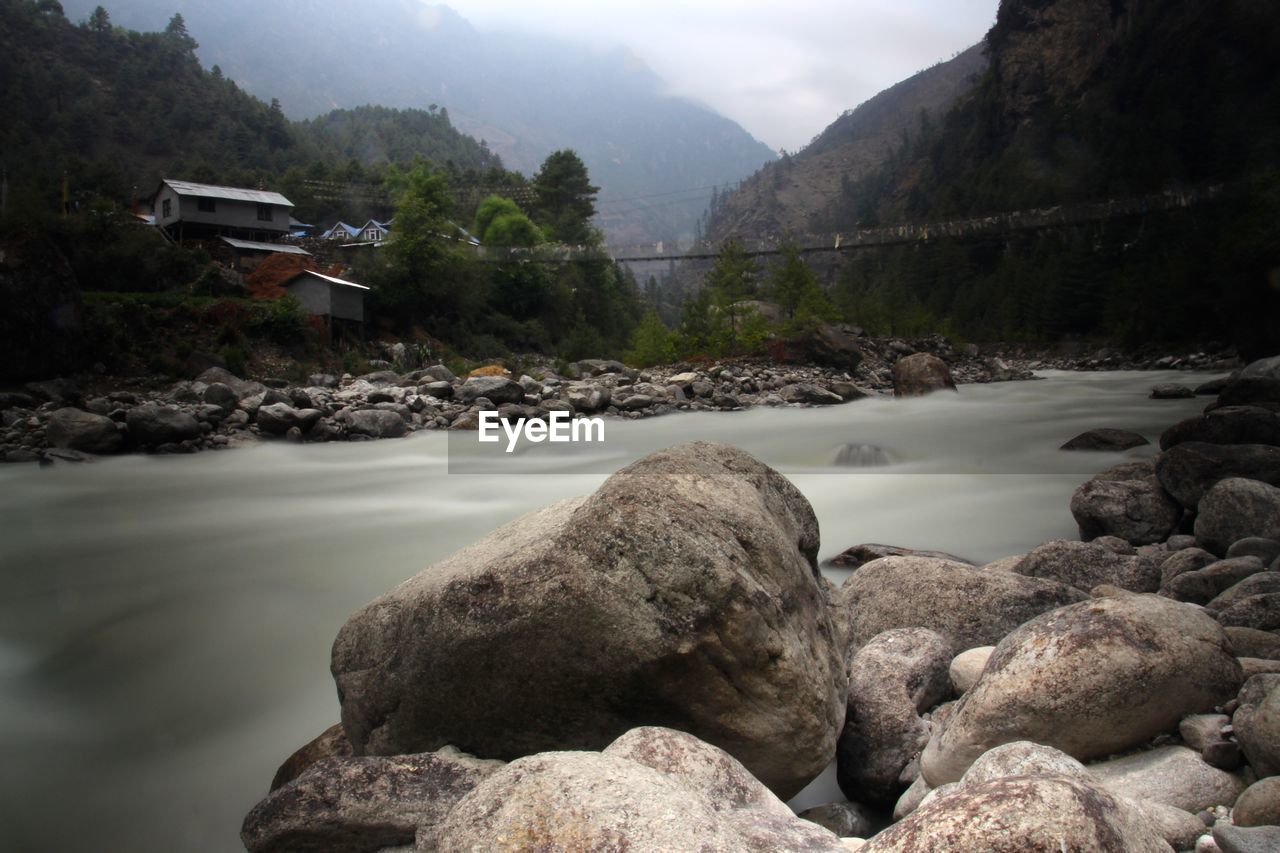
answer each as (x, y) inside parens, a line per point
(524, 95)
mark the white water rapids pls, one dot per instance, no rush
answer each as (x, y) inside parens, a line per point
(165, 622)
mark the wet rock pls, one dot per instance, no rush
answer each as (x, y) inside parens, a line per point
(79, 430)
(1090, 679)
(358, 804)
(376, 423)
(1171, 391)
(1138, 511)
(1023, 813)
(921, 374)
(831, 344)
(861, 456)
(803, 392)
(653, 789)
(1173, 775)
(1234, 509)
(498, 389)
(1190, 469)
(59, 392)
(1259, 805)
(153, 424)
(1181, 562)
(1257, 723)
(1252, 643)
(684, 591)
(1227, 425)
(892, 680)
(859, 555)
(967, 605)
(279, 418)
(1105, 439)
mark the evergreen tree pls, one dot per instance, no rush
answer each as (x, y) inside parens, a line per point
(566, 198)
(99, 21)
(177, 31)
(651, 344)
(795, 288)
(731, 281)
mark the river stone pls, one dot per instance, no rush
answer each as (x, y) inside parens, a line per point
(892, 680)
(845, 820)
(1237, 508)
(1179, 828)
(1227, 425)
(921, 374)
(1084, 565)
(152, 424)
(75, 429)
(1251, 391)
(362, 804)
(1106, 439)
(657, 790)
(1255, 611)
(1252, 643)
(1204, 585)
(1259, 805)
(803, 392)
(860, 555)
(967, 666)
(1257, 723)
(1257, 583)
(969, 606)
(279, 418)
(1139, 511)
(377, 423)
(1090, 679)
(1023, 813)
(1171, 391)
(1266, 550)
(1190, 469)
(1246, 839)
(498, 389)
(1024, 758)
(1181, 562)
(1173, 775)
(684, 592)
(331, 743)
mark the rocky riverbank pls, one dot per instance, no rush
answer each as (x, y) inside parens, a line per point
(660, 664)
(59, 421)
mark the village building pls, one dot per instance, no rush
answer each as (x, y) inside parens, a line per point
(245, 255)
(189, 210)
(339, 302)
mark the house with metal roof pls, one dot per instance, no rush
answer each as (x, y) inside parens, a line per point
(327, 296)
(190, 210)
(249, 253)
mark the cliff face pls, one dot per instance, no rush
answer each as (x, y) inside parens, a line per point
(795, 194)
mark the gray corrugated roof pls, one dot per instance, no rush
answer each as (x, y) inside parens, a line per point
(233, 193)
(327, 278)
(265, 247)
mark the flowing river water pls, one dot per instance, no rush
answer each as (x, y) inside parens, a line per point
(165, 622)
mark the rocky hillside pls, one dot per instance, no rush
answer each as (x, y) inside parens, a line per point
(796, 194)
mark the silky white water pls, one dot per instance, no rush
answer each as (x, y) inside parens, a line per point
(165, 623)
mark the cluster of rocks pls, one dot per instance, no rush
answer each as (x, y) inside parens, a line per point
(661, 664)
(56, 420)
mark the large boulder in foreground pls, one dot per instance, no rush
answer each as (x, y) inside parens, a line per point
(1089, 679)
(920, 374)
(683, 593)
(1140, 512)
(1023, 813)
(967, 605)
(652, 789)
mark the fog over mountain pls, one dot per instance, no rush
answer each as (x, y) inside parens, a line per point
(656, 157)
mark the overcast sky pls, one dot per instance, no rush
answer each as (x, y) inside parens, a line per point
(783, 69)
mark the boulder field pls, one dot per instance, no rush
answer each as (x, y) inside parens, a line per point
(660, 665)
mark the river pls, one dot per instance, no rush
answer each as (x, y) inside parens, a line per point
(165, 622)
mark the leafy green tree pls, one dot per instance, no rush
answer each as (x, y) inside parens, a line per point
(500, 222)
(651, 343)
(565, 198)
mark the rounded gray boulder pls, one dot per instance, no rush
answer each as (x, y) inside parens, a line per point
(1237, 508)
(684, 593)
(1090, 679)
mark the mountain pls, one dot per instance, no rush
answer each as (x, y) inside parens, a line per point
(115, 110)
(801, 192)
(655, 157)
